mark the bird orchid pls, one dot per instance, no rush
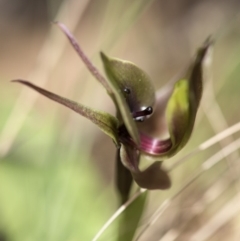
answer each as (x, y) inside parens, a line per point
(140, 113)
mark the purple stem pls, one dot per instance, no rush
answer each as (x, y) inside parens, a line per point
(95, 72)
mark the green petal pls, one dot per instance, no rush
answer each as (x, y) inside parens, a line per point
(106, 122)
(183, 104)
(132, 90)
(178, 114)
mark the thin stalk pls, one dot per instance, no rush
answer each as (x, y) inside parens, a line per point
(205, 145)
(117, 213)
(208, 164)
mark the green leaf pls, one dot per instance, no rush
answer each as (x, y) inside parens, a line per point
(129, 220)
(106, 122)
(132, 90)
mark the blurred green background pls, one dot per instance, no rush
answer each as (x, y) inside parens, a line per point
(56, 168)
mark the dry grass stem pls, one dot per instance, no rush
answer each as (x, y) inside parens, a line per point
(205, 166)
(117, 214)
(48, 57)
(230, 210)
(209, 163)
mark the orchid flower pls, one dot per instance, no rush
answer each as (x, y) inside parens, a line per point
(141, 113)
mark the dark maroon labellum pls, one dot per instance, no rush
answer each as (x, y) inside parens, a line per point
(154, 146)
